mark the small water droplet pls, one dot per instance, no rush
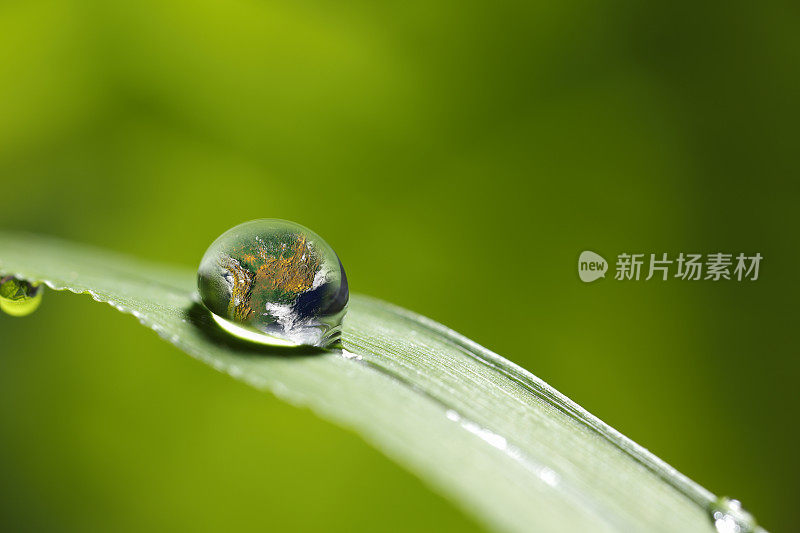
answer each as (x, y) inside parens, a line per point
(729, 516)
(274, 282)
(19, 297)
(351, 355)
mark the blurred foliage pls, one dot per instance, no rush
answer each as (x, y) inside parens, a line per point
(458, 157)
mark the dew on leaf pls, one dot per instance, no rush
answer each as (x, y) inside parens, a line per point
(19, 297)
(729, 516)
(274, 282)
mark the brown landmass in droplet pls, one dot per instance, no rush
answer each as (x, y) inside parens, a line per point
(291, 272)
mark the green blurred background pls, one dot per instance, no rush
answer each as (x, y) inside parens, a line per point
(458, 156)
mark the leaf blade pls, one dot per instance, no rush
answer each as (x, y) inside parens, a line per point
(510, 450)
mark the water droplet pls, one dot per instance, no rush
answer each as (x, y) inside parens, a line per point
(19, 297)
(729, 516)
(274, 282)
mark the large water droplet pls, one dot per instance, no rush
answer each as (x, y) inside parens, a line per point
(274, 282)
(19, 297)
(729, 516)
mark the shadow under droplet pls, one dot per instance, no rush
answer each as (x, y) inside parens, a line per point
(200, 318)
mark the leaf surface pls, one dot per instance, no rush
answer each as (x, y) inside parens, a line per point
(500, 443)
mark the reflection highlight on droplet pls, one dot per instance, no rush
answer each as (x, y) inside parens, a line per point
(252, 336)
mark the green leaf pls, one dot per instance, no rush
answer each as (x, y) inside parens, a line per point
(503, 445)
